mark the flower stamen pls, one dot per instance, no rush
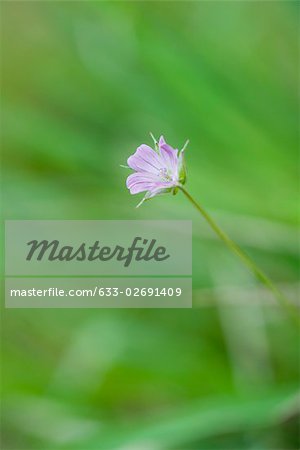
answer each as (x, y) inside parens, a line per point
(164, 174)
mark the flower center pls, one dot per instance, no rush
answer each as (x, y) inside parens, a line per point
(164, 175)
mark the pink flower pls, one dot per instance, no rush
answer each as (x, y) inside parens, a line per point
(156, 172)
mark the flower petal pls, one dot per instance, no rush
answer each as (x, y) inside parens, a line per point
(168, 155)
(144, 181)
(141, 181)
(145, 159)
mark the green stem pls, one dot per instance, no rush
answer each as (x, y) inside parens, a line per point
(244, 257)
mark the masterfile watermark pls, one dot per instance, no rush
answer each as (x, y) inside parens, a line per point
(98, 264)
(140, 249)
(137, 247)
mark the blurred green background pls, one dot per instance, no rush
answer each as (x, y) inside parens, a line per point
(83, 83)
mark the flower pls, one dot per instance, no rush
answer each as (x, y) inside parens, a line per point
(157, 171)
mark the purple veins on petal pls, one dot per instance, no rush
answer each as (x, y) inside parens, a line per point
(145, 159)
(141, 181)
(168, 154)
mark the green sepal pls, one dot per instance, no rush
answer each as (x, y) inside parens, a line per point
(181, 168)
